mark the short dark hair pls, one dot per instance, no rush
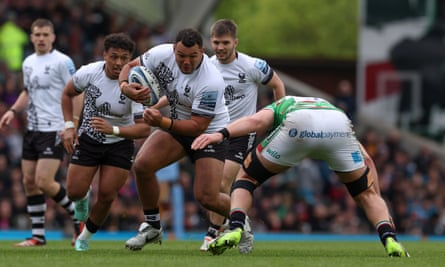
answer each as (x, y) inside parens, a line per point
(189, 37)
(224, 26)
(119, 40)
(41, 22)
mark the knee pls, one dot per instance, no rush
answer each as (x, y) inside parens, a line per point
(44, 183)
(207, 200)
(29, 183)
(226, 184)
(74, 195)
(140, 166)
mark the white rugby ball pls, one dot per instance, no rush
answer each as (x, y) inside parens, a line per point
(145, 77)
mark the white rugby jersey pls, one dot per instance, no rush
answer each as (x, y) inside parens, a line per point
(103, 98)
(44, 77)
(243, 77)
(200, 93)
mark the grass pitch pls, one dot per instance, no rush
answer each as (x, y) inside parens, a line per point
(186, 254)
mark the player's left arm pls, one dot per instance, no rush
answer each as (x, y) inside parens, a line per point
(195, 126)
(259, 122)
(139, 129)
(277, 86)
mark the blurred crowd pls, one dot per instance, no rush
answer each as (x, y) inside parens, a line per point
(307, 198)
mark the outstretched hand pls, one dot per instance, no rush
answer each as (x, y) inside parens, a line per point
(204, 140)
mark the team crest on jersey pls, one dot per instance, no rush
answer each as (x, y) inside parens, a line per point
(122, 98)
(187, 90)
(146, 56)
(242, 77)
(47, 69)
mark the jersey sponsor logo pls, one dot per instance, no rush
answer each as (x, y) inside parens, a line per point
(273, 153)
(262, 66)
(357, 156)
(324, 135)
(229, 95)
(104, 109)
(208, 100)
(293, 132)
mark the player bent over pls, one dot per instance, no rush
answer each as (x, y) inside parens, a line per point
(301, 127)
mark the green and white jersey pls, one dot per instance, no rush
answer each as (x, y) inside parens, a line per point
(289, 104)
(314, 128)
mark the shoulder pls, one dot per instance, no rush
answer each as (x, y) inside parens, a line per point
(209, 75)
(161, 50)
(88, 72)
(63, 60)
(209, 67)
(213, 59)
(92, 67)
(158, 53)
(29, 58)
(254, 63)
(59, 55)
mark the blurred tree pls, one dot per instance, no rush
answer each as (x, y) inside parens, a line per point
(295, 28)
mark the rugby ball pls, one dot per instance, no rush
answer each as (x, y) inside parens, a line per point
(146, 78)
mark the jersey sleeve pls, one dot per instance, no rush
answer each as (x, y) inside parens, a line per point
(260, 71)
(82, 77)
(152, 57)
(67, 69)
(136, 108)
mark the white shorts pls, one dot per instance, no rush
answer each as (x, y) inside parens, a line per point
(318, 134)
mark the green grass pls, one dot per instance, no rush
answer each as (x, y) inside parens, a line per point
(187, 254)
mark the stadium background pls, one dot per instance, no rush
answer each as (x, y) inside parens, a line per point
(305, 200)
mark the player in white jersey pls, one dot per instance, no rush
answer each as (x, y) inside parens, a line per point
(195, 93)
(104, 143)
(243, 76)
(300, 127)
(45, 73)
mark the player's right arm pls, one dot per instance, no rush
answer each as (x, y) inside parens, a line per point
(69, 134)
